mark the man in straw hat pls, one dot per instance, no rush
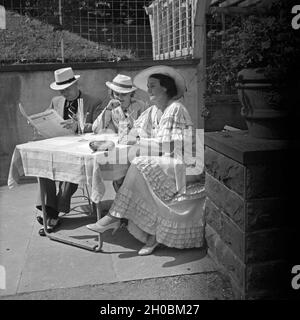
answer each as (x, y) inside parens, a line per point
(66, 105)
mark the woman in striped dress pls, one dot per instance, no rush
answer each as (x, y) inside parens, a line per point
(150, 194)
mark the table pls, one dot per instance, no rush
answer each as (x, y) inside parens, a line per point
(69, 158)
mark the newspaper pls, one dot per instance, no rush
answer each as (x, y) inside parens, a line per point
(47, 123)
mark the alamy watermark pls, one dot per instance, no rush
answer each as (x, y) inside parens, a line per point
(296, 19)
(296, 279)
(186, 146)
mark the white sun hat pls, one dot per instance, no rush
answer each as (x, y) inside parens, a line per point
(64, 78)
(121, 84)
(141, 79)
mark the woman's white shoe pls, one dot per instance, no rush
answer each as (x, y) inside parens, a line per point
(146, 250)
(100, 229)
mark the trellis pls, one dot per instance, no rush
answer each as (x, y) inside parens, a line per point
(172, 28)
(103, 30)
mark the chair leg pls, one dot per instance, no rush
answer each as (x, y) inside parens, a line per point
(98, 247)
(89, 200)
(86, 196)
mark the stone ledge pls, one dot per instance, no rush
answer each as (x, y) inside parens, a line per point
(243, 148)
(226, 200)
(255, 294)
(226, 170)
(265, 245)
(260, 180)
(227, 230)
(253, 277)
(249, 247)
(266, 213)
(265, 276)
(225, 257)
(97, 65)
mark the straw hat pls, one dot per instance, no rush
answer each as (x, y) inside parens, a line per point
(121, 84)
(64, 78)
(141, 79)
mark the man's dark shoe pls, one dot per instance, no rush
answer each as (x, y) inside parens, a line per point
(51, 226)
(42, 232)
(40, 220)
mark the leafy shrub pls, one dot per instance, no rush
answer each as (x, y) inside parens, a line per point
(257, 41)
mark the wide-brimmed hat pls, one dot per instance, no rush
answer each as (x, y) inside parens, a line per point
(121, 84)
(141, 79)
(64, 78)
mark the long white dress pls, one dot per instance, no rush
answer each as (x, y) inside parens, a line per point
(150, 196)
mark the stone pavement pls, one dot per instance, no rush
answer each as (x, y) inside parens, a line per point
(39, 268)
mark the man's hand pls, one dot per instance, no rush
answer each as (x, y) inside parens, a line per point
(113, 103)
(107, 118)
(70, 124)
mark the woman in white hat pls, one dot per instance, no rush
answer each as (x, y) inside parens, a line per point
(122, 106)
(151, 196)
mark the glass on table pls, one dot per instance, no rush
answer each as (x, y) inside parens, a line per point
(81, 117)
(81, 125)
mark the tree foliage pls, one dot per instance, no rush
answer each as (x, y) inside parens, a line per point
(266, 41)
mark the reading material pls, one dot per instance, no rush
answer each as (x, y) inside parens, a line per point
(47, 123)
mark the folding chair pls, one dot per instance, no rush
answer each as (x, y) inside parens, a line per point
(79, 206)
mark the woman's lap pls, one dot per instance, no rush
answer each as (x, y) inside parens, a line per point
(143, 200)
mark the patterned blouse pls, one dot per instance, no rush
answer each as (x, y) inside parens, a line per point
(174, 124)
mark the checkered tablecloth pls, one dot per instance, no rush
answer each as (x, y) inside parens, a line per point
(70, 159)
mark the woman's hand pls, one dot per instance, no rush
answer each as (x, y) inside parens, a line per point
(70, 124)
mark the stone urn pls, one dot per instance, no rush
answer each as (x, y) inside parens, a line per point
(262, 105)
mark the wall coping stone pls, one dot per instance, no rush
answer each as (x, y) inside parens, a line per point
(245, 149)
(131, 65)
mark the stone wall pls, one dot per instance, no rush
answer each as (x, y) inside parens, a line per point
(246, 228)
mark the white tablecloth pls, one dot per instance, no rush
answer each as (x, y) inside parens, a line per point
(70, 159)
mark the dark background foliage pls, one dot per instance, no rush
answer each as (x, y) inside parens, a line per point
(265, 40)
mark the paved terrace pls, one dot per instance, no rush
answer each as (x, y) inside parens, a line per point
(39, 268)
